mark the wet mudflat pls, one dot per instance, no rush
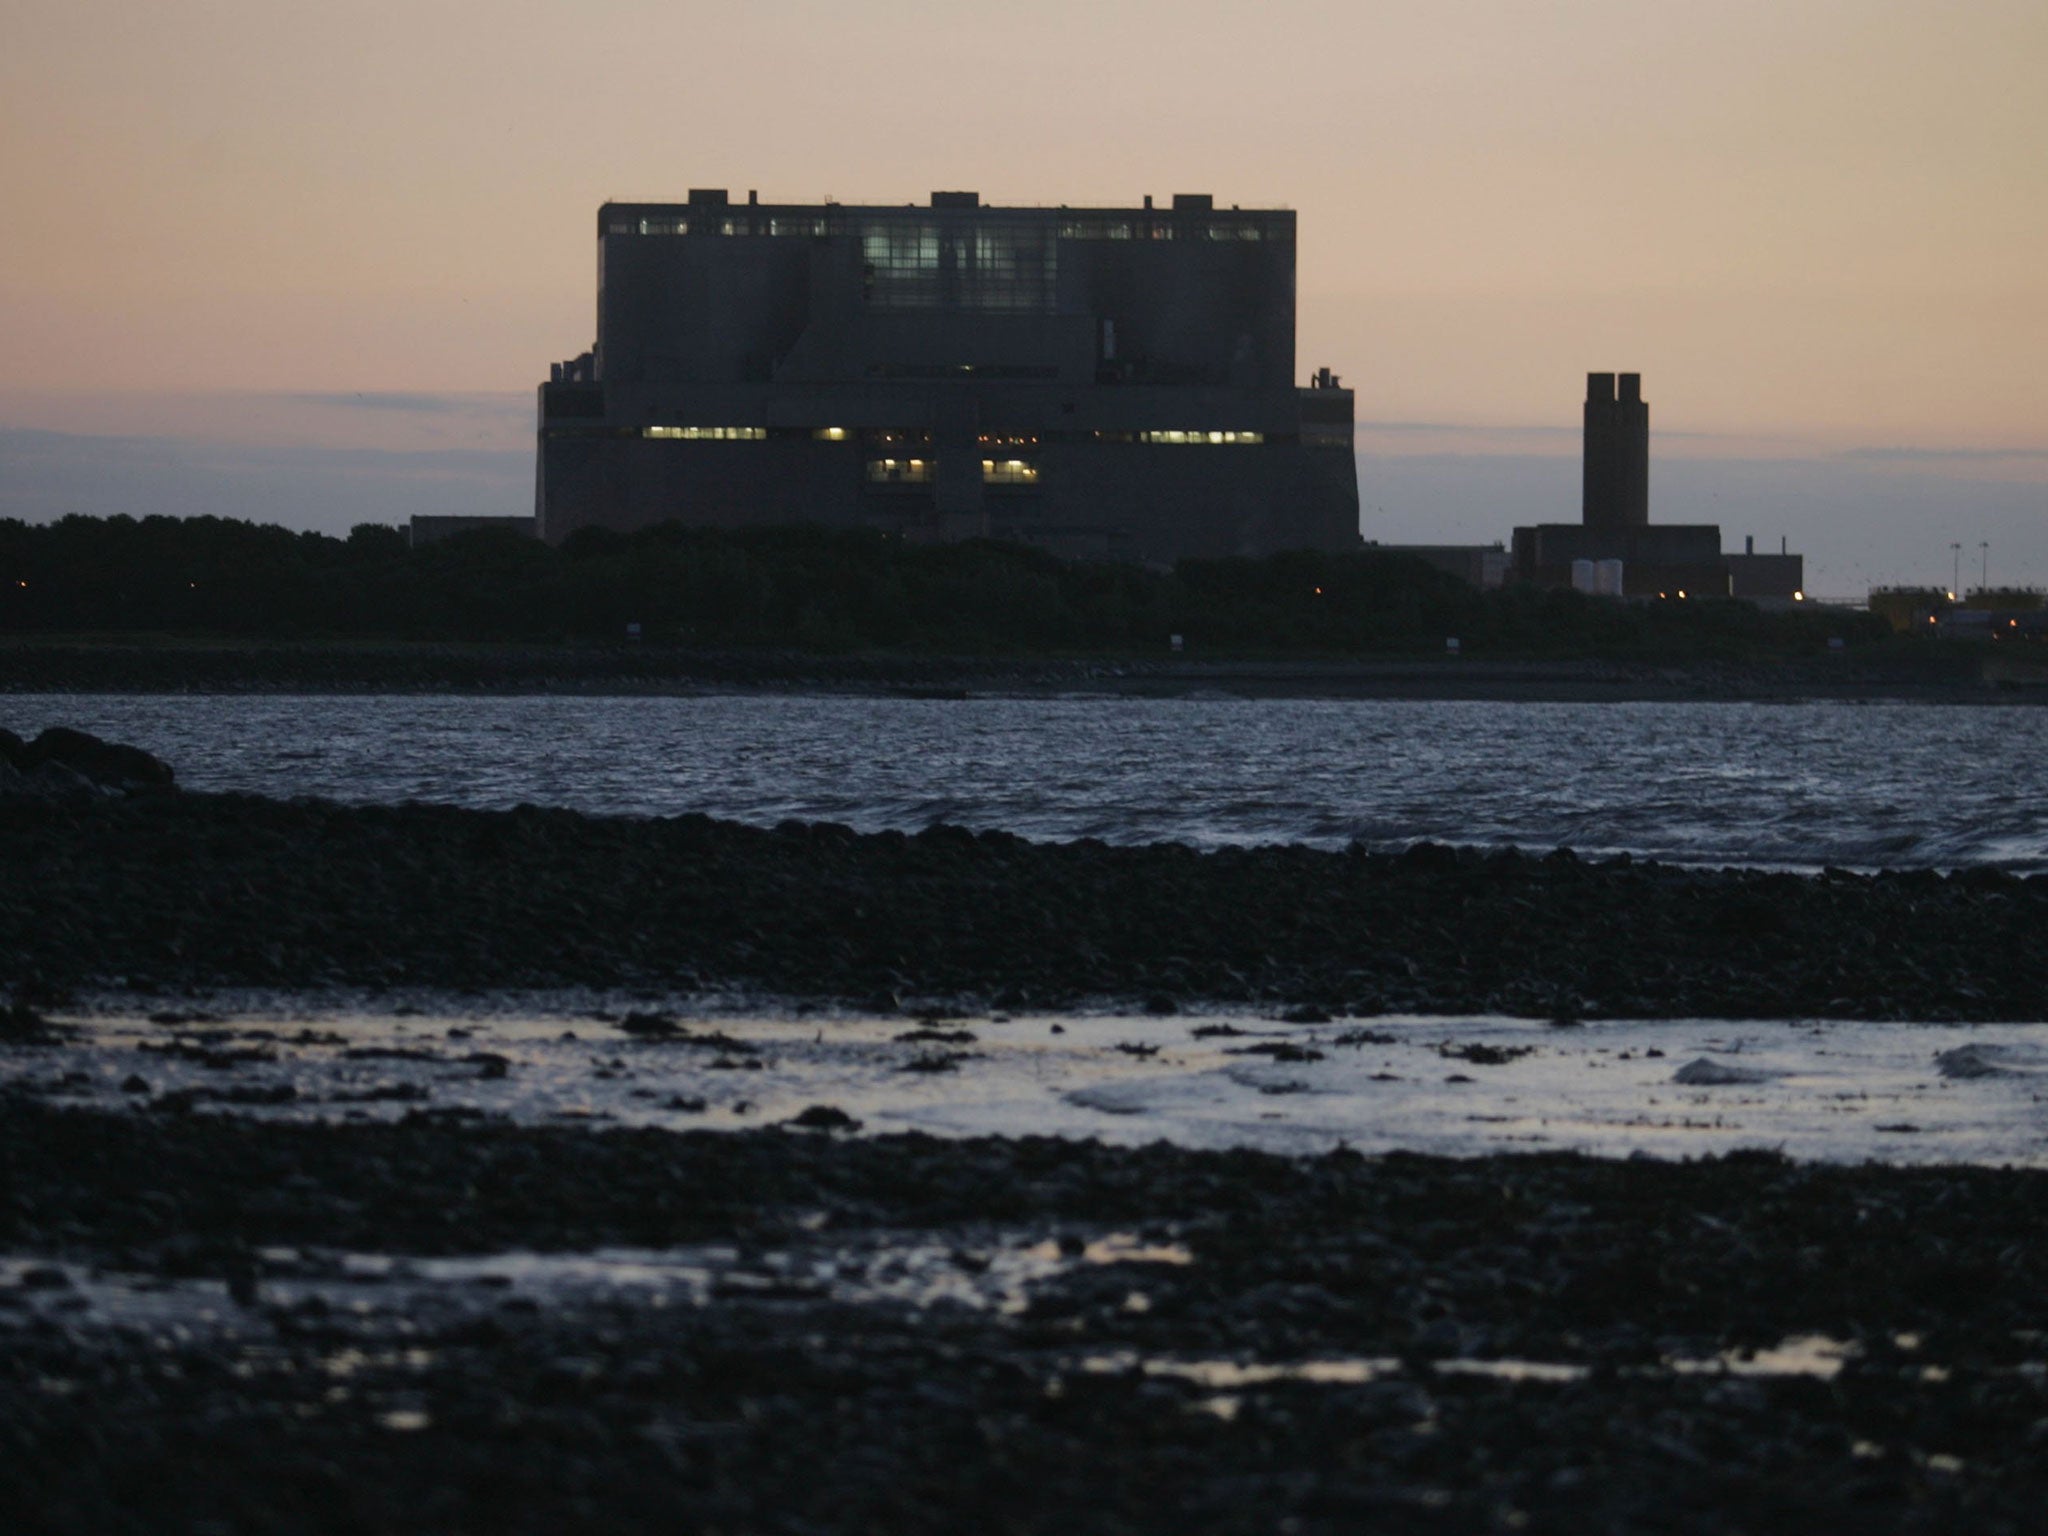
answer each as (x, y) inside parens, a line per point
(1219, 1078)
(273, 1262)
(215, 1323)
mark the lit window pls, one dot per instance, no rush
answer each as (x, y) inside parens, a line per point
(1095, 229)
(830, 434)
(1202, 437)
(708, 434)
(664, 226)
(900, 471)
(1008, 472)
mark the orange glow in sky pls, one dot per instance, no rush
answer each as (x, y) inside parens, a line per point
(1816, 227)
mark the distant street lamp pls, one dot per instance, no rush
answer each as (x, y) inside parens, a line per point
(1984, 578)
(1955, 579)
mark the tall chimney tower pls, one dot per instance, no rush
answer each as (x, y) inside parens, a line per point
(1617, 464)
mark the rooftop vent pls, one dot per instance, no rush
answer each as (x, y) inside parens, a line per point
(1193, 202)
(715, 196)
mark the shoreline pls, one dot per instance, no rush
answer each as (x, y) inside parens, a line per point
(171, 666)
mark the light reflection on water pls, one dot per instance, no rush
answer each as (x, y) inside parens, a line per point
(1835, 1092)
(1793, 786)
(998, 1277)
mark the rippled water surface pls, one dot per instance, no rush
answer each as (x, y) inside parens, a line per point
(1791, 785)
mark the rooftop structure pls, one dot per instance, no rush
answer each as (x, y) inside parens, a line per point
(1115, 382)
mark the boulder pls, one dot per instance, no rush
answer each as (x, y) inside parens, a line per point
(1707, 1073)
(108, 764)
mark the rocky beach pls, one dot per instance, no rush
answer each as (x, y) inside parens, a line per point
(266, 1268)
(162, 893)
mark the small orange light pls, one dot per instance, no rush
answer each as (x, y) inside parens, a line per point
(1319, 591)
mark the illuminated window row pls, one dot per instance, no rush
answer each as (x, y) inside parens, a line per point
(921, 471)
(988, 230)
(811, 228)
(886, 439)
(1123, 229)
(1202, 437)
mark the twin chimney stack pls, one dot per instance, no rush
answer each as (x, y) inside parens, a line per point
(1617, 463)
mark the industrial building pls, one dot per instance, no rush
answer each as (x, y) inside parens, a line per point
(1485, 566)
(1096, 382)
(1614, 548)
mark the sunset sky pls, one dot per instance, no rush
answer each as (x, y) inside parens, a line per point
(307, 264)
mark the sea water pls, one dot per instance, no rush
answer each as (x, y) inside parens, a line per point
(1795, 786)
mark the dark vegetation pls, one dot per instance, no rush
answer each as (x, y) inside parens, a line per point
(819, 590)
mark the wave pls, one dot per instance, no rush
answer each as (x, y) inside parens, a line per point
(1806, 787)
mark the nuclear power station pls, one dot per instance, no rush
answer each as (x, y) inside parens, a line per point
(1105, 382)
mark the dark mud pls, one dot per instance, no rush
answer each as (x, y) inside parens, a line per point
(775, 1405)
(158, 893)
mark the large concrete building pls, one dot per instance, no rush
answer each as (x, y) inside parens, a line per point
(1102, 382)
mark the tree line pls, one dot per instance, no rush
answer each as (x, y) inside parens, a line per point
(822, 589)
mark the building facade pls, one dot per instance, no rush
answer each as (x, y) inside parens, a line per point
(1098, 382)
